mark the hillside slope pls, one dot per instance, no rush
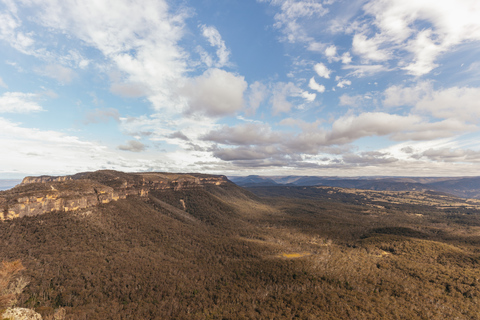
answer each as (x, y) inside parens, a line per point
(217, 251)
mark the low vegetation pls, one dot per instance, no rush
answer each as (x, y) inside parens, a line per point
(11, 283)
(221, 252)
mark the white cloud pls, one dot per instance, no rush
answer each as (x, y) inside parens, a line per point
(343, 83)
(364, 70)
(432, 131)
(60, 73)
(18, 102)
(349, 128)
(449, 155)
(291, 16)
(353, 101)
(2, 84)
(257, 94)
(37, 151)
(215, 40)
(426, 51)
(396, 96)
(312, 84)
(141, 39)
(244, 134)
(411, 127)
(205, 57)
(346, 58)
(309, 97)
(129, 90)
(453, 103)
(461, 103)
(102, 116)
(281, 92)
(368, 48)
(322, 70)
(316, 46)
(215, 93)
(402, 27)
(331, 52)
(9, 26)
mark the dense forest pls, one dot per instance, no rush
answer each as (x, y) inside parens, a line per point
(223, 252)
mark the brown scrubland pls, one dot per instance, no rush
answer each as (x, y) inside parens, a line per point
(224, 252)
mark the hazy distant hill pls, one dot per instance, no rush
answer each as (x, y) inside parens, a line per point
(466, 187)
(6, 184)
(253, 180)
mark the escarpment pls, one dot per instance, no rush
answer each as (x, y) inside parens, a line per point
(39, 195)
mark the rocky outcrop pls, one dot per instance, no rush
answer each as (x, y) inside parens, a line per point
(43, 179)
(39, 195)
(21, 314)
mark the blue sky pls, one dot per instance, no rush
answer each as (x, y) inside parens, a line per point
(237, 87)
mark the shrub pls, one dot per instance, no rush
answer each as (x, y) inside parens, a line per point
(11, 285)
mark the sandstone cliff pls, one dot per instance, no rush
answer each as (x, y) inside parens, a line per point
(38, 195)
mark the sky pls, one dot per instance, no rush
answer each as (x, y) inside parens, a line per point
(239, 87)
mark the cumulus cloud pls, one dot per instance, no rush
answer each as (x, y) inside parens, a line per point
(460, 103)
(343, 83)
(133, 146)
(178, 135)
(449, 155)
(396, 96)
(281, 92)
(308, 96)
(144, 46)
(215, 39)
(312, 84)
(322, 70)
(215, 93)
(244, 134)
(411, 127)
(368, 48)
(450, 23)
(58, 72)
(346, 58)
(331, 52)
(259, 141)
(19, 102)
(349, 128)
(101, 116)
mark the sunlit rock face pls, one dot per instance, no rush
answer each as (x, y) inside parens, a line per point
(39, 195)
(21, 314)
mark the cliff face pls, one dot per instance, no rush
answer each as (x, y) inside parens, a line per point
(39, 195)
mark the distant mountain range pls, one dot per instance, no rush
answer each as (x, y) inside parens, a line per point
(465, 187)
(6, 184)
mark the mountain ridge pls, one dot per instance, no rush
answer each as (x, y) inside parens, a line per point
(38, 195)
(465, 187)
